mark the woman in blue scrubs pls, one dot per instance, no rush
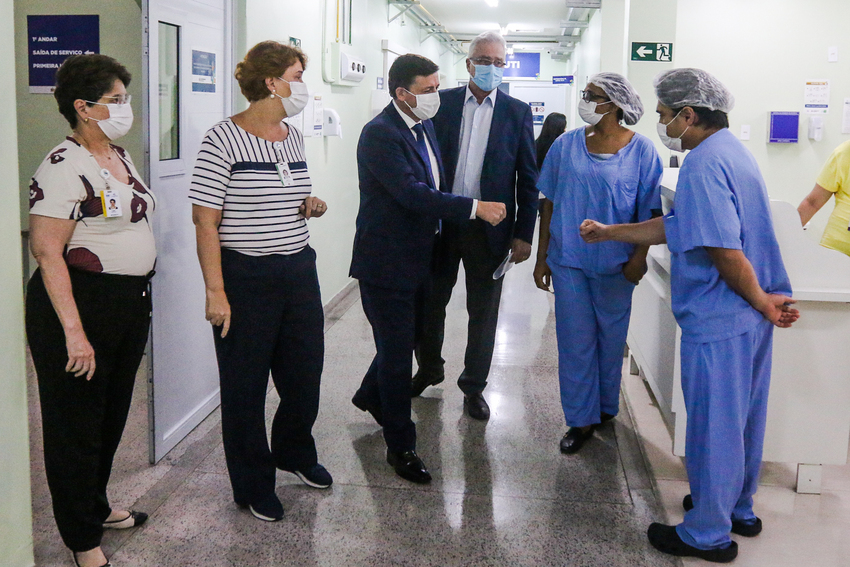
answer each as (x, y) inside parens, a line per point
(729, 289)
(601, 171)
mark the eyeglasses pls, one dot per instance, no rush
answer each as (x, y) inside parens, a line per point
(588, 96)
(487, 61)
(117, 99)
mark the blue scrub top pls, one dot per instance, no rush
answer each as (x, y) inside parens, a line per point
(721, 202)
(623, 188)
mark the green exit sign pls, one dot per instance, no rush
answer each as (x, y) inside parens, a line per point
(652, 51)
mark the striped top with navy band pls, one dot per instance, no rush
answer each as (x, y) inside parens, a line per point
(235, 173)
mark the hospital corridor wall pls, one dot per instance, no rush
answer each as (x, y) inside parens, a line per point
(764, 52)
(16, 548)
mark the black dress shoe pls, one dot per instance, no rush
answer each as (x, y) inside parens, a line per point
(422, 380)
(476, 406)
(374, 409)
(409, 466)
(575, 439)
(739, 528)
(666, 540)
(603, 417)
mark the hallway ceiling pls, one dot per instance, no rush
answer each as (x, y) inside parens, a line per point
(553, 26)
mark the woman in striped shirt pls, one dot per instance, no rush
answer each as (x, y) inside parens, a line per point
(251, 199)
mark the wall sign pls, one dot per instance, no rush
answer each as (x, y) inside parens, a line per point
(538, 111)
(203, 71)
(817, 97)
(652, 51)
(51, 40)
(783, 128)
(522, 65)
(562, 80)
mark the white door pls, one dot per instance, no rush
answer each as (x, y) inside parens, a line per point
(188, 72)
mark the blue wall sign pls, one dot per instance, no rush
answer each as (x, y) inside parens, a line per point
(522, 65)
(203, 71)
(51, 40)
(562, 80)
(784, 128)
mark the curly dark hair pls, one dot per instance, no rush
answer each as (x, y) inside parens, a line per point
(86, 77)
(265, 60)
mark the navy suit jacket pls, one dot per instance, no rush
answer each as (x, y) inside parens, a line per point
(510, 171)
(399, 210)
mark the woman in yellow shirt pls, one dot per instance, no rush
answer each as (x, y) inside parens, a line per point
(834, 179)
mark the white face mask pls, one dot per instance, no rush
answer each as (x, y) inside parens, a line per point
(587, 112)
(427, 105)
(674, 144)
(119, 122)
(297, 100)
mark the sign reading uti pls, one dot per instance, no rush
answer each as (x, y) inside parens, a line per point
(522, 65)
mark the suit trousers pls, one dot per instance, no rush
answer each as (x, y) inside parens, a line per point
(465, 242)
(83, 420)
(277, 327)
(393, 316)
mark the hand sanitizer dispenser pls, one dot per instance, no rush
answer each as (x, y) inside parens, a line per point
(816, 128)
(331, 126)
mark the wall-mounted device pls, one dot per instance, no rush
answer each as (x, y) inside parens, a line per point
(343, 68)
(816, 128)
(351, 68)
(783, 128)
(331, 126)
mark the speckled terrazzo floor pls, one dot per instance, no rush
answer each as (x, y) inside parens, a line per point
(502, 493)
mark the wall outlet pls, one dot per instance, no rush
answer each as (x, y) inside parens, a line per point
(832, 54)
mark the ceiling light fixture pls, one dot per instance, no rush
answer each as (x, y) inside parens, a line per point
(492, 3)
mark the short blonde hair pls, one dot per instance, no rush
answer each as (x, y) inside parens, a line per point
(265, 60)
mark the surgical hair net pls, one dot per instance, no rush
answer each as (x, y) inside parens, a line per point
(677, 88)
(619, 90)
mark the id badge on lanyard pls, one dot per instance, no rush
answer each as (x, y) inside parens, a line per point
(109, 198)
(282, 166)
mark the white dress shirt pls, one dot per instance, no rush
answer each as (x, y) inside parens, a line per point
(435, 167)
(474, 134)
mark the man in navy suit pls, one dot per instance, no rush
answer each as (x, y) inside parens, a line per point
(487, 141)
(401, 202)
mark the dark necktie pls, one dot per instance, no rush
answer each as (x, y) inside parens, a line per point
(422, 150)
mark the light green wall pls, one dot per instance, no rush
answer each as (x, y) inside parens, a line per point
(585, 62)
(765, 55)
(763, 52)
(332, 161)
(40, 126)
(15, 507)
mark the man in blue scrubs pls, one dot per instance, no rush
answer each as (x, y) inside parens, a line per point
(729, 288)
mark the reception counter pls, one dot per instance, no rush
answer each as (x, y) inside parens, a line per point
(808, 418)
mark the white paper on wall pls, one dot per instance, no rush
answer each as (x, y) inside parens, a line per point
(817, 97)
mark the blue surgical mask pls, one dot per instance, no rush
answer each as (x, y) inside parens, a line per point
(488, 77)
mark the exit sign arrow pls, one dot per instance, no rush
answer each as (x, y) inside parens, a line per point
(652, 51)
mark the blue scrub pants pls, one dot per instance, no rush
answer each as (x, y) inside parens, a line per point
(592, 320)
(725, 385)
